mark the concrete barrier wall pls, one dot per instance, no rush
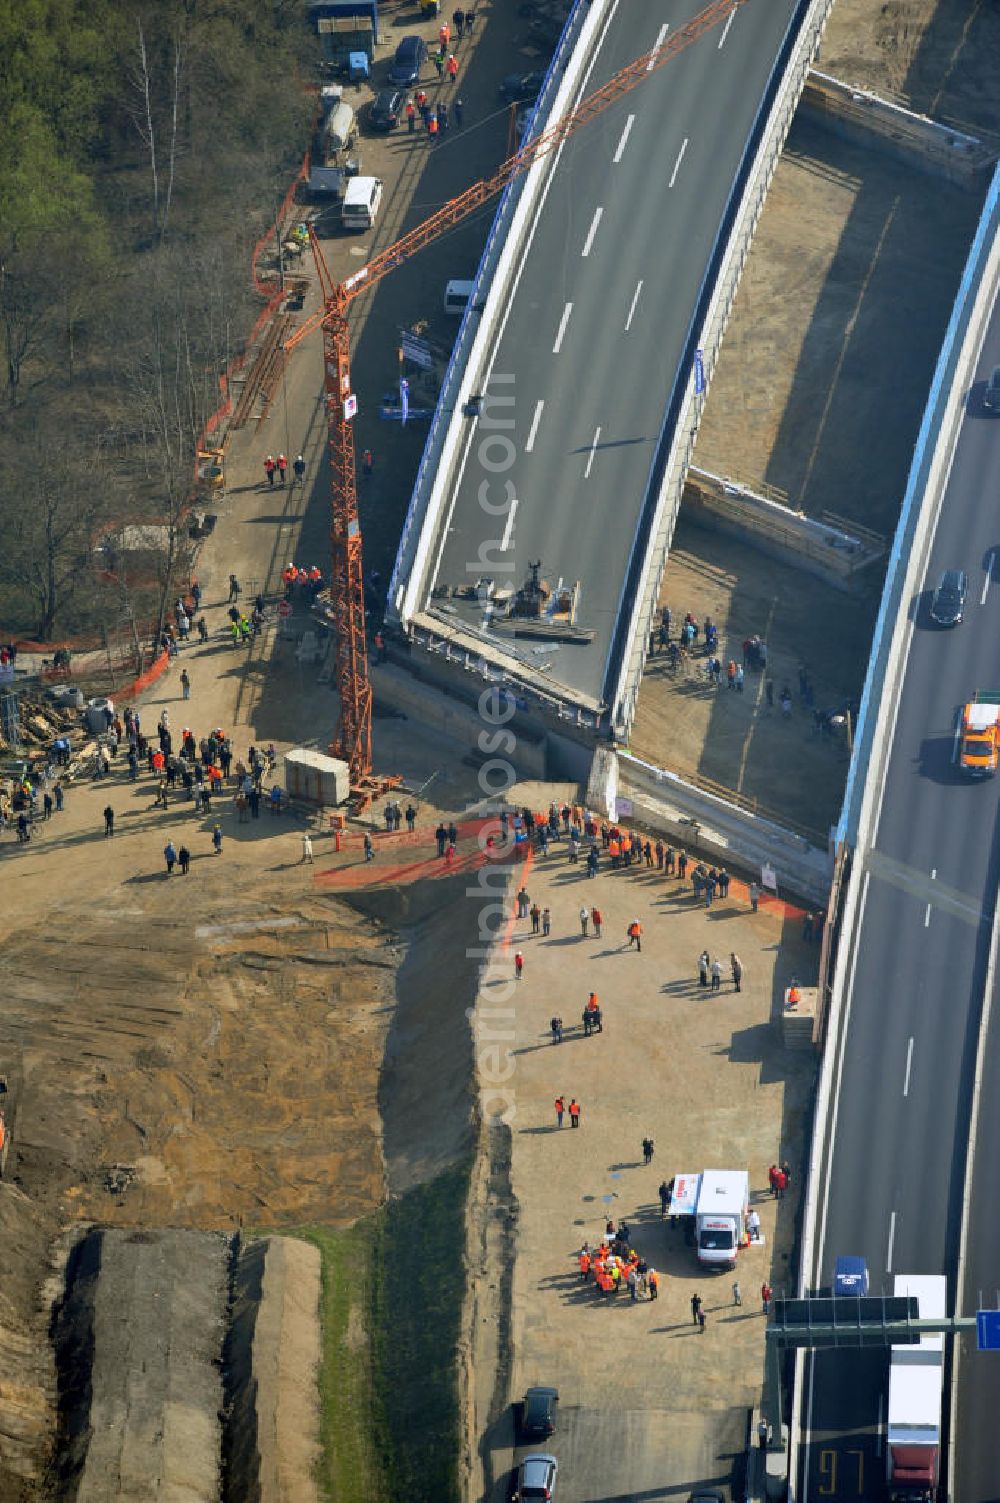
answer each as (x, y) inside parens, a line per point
(816, 547)
(858, 114)
(684, 408)
(702, 820)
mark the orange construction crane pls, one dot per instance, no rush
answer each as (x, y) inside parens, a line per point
(353, 741)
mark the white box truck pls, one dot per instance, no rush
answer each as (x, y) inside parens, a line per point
(719, 1200)
(916, 1386)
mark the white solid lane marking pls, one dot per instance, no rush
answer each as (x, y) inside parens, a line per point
(534, 425)
(927, 917)
(909, 1064)
(624, 139)
(677, 164)
(954, 747)
(725, 30)
(562, 327)
(590, 457)
(892, 1238)
(631, 311)
(508, 530)
(986, 581)
(592, 231)
(656, 48)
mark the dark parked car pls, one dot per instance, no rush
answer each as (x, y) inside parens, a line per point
(517, 86)
(538, 1412)
(991, 396)
(385, 109)
(948, 605)
(411, 54)
(536, 1480)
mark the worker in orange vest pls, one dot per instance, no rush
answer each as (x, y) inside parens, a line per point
(574, 1113)
(411, 116)
(444, 35)
(634, 932)
(452, 66)
(432, 128)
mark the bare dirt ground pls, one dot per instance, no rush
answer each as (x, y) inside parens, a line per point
(222, 1035)
(818, 394)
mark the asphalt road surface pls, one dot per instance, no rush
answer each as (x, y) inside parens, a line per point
(895, 1188)
(596, 328)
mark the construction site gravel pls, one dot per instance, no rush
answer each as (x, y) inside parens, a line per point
(197, 1062)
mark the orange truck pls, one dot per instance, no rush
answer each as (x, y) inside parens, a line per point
(980, 742)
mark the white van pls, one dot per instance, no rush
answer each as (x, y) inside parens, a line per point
(362, 198)
(457, 297)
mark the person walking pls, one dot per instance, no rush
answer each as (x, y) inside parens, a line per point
(556, 1030)
(597, 919)
(451, 66)
(696, 1303)
(307, 848)
(185, 683)
(753, 892)
(234, 589)
(703, 968)
(560, 1108)
(536, 918)
(664, 1194)
(584, 921)
(217, 838)
(518, 965)
(282, 468)
(737, 1293)
(184, 860)
(370, 847)
(546, 922)
(652, 1282)
(59, 797)
(634, 932)
(736, 967)
(682, 866)
(459, 109)
(702, 1321)
(109, 822)
(367, 464)
(766, 1296)
(716, 975)
(647, 1150)
(299, 469)
(574, 1113)
(170, 856)
(269, 468)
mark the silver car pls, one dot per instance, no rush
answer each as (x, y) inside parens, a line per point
(536, 1480)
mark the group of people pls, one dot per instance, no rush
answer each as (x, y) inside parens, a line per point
(710, 971)
(614, 1266)
(592, 1017)
(279, 467)
(307, 582)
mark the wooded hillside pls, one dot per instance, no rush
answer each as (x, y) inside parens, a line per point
(147, 145)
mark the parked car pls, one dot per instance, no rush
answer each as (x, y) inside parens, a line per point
(517, 86)
(385, 109)
(991, 395)
(536, 1479)
(948, 604)
(411, 54)
(538, 1411)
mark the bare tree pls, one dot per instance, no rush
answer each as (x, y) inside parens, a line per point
(142, 114)
(25, 320)
(51, 525)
